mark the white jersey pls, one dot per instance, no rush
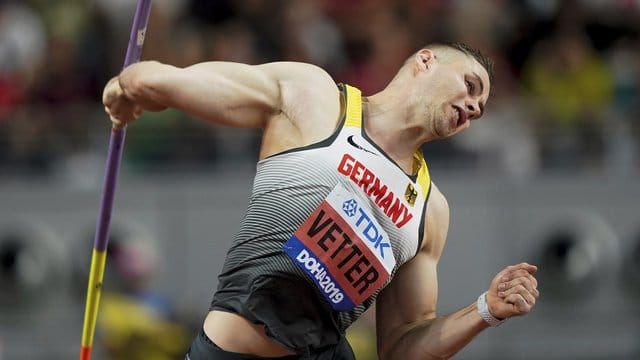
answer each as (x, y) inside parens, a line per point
(335, 220)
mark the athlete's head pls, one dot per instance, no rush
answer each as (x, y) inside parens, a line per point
(449, 87)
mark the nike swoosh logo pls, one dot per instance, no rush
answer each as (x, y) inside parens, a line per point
(353, 143)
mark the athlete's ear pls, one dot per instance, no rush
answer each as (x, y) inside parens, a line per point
(424, 59)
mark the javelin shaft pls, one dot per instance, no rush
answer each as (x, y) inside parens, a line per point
(114, 157)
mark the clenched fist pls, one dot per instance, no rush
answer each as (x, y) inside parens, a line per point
(120, 108)
(513, 291)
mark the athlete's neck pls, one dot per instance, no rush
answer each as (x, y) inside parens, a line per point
(391, 130)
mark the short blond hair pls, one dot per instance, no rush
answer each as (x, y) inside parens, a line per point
(483, 60)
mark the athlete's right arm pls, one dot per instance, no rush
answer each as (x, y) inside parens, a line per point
(225, 93)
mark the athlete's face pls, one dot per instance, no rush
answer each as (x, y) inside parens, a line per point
(453, 89)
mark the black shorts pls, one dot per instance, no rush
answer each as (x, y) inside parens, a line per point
(203, 348)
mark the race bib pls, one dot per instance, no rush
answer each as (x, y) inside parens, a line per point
(343, 249)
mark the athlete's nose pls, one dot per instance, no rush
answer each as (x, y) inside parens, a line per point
(474, 110)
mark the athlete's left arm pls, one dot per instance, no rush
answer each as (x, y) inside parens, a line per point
(407, 325)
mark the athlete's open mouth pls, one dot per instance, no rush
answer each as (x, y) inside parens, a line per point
(462, 116)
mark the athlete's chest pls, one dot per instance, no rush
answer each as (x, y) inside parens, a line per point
(364, 228)
(366, 168)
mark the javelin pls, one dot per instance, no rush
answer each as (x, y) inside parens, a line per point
(114, 156)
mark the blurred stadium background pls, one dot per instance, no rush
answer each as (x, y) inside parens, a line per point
(549, 176)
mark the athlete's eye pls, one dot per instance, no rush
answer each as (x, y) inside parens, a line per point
(470, 86)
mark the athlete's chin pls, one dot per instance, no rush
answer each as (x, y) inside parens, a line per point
(441, 134)
(446, 130)
(460, 128)
(447, 133)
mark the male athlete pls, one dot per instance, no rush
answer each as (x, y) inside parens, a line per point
(343, 212)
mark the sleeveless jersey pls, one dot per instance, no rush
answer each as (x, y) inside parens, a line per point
(327, 227)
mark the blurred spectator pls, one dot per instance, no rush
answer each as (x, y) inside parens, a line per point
(624, 60)
(307, 27)
(29, 147)
(232, 41)
(211, 12)
(22, 45)
(375, 51)
(577, 59)
(572, 86)
(623, 130)
(172, 141)
(135, 321)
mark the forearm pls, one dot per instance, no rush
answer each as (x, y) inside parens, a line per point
(438, 338)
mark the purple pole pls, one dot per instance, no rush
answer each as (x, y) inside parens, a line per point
(116, 143)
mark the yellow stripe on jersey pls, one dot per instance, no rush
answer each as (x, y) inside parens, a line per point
(424, 179)
(354, 107)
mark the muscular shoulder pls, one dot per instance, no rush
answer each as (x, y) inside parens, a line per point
(436, 224)
(298, 72)
(302, 82)
(291, 70)
(310, 105)
(305, 88)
